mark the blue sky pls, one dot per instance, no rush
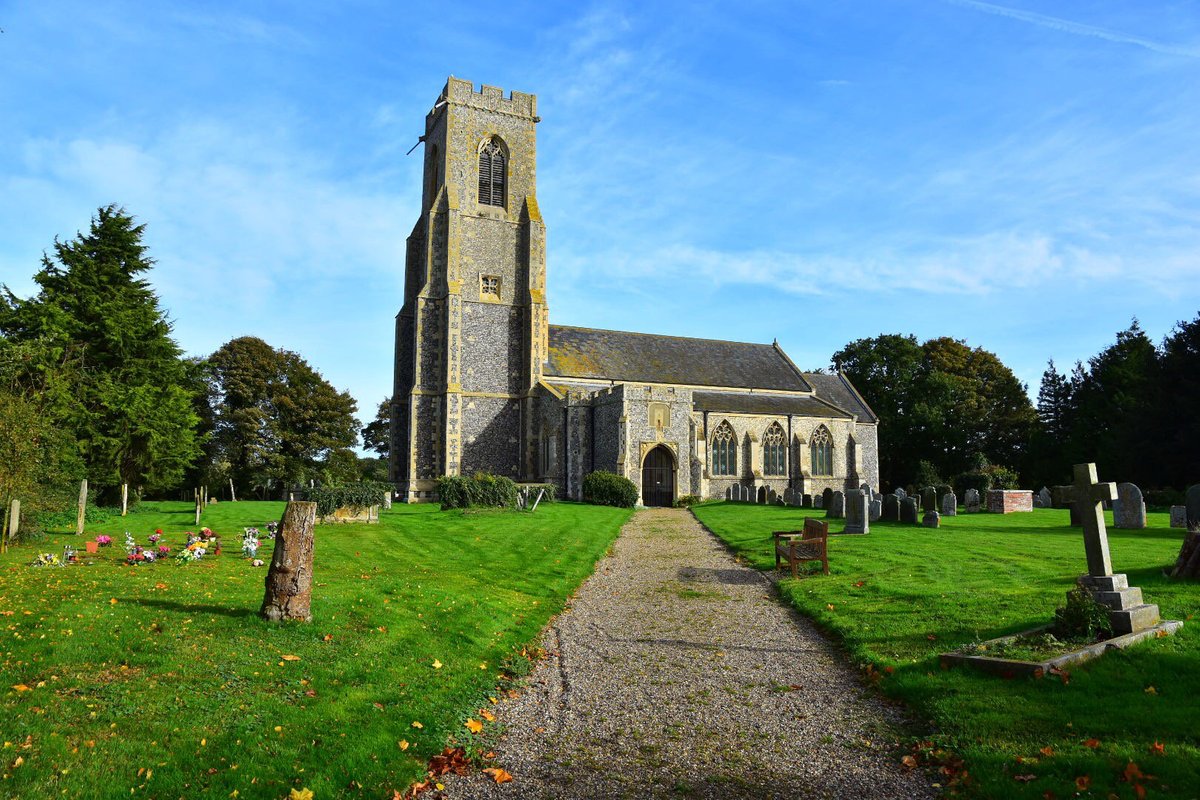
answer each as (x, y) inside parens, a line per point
(1024, 176)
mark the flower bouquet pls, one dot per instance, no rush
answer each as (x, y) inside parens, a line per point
(154, 537)
(46, 560)
(250, 542)
(103, 541)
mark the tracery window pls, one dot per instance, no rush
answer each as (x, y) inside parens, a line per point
(821, 447)
(774, 451)
(491, 173)
(724, 451)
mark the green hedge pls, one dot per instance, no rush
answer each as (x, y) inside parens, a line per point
(481, 489)
(602, 488)
(354, 496)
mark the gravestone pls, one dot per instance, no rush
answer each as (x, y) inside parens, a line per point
(82, 507)
(1192, 503)
(826, 498)
(1043, 499)
(762, 495)
(837, 506)
(1129, 511)
(387, 499)
(900, 494)
(817, 501)
(875, 510)
(772, 498)
(866, 488)
(932, 519)
(1178, 516)
(1127, 613)
(971, 501)
(857, 511)
(929, 499)
(806, 501)
(891, 508)
(787, 496)
(1075, 520)
(949, 504)
(908, 510)
(729, 493)
(1061, 496)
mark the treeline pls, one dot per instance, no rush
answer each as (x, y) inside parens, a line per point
(92, 385)
(950, 413)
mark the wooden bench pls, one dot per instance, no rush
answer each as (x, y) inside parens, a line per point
(811, 544)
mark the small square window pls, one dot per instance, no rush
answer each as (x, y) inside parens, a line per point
(489, 287)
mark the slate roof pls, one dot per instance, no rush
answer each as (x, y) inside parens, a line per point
(643, 357)
(774, 404)
(837, 389)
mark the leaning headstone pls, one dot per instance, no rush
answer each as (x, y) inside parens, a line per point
(772, 498)
(1192, 502)
(949, 504)
(932, 519)
(908, 510)
(900, 494)
(891, 508)
(971, 501)
(827, 498)
(929, 499)
(837, 506)
(806, 501)
(857, 511)
(1178, 516)
(875, 510)
(1129, 511)
(1043, 499)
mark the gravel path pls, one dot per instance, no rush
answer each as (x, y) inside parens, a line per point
(675, 672)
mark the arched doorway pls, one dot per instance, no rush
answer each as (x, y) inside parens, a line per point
(658, 477)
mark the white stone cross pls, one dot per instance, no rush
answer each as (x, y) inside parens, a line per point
(1089, 496)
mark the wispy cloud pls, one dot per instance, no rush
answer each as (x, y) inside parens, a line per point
(1078, 28)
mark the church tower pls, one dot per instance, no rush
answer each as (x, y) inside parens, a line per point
(471, 336)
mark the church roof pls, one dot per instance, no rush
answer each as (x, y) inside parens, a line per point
(756, 403)
(643, 357)
(837, 389)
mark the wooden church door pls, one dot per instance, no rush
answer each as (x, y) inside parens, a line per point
(658, 477)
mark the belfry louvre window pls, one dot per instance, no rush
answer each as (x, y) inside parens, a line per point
(821, 446)
(774, 451)
(491, 173)
(724, 451)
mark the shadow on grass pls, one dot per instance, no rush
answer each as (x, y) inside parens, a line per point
(190, 608)
(729, 577)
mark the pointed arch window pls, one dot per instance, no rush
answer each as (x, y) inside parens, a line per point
(821, 448)
(774, 451)
(724, 451)
(492, 160)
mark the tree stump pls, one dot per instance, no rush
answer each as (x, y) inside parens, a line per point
(1188, 563)
(289, 581)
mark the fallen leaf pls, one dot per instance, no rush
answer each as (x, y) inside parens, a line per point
(1024, 778)
(498, 775)
(417, 724)
(112, 601)
(1151, 690)
(20, 760)
(20, 687)
(437, 664)
(829, 606)
(301, 794)
(858, 585)
(931, 637)
(909, 762)
(402, 744)
(1092, 743)
(1132, 772)
(1158, 748)
(474, 725)
(329, 637)
(1083, 782)
(490, 717)
(291, 658)
(1047, 751)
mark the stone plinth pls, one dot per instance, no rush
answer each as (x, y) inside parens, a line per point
(1008, 501)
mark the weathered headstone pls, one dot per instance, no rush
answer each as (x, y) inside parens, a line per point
(900, 494)
(728, 493)
(289, 582)
(1178, 516)
(1127, 613)
(1192, 503)
(787, 496)
(949, 504)
(837, 506)
(124, 499)
(817, 500)
(762, 496)
(866, 488)
(233, 495)
(932, 519)
(857, 511)
(826, 497)
(1129, 511)
(806, 501)
(891, 508)
(82, 515)
(387, 499)
(929, 499)
(908, 510)
(875, 510)
(772, 498)
(1043, 499)
(971, 501)
(1061, 496)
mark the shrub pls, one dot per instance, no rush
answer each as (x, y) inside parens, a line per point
(609, 489)
(687, 500)
(481, 489)
(354, 496)
(1082, 618)
(989, 476)
(927, 475)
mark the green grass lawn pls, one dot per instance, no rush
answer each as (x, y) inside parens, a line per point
(902, 594)
(161, 681)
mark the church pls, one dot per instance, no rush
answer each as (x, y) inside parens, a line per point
(484, 382)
